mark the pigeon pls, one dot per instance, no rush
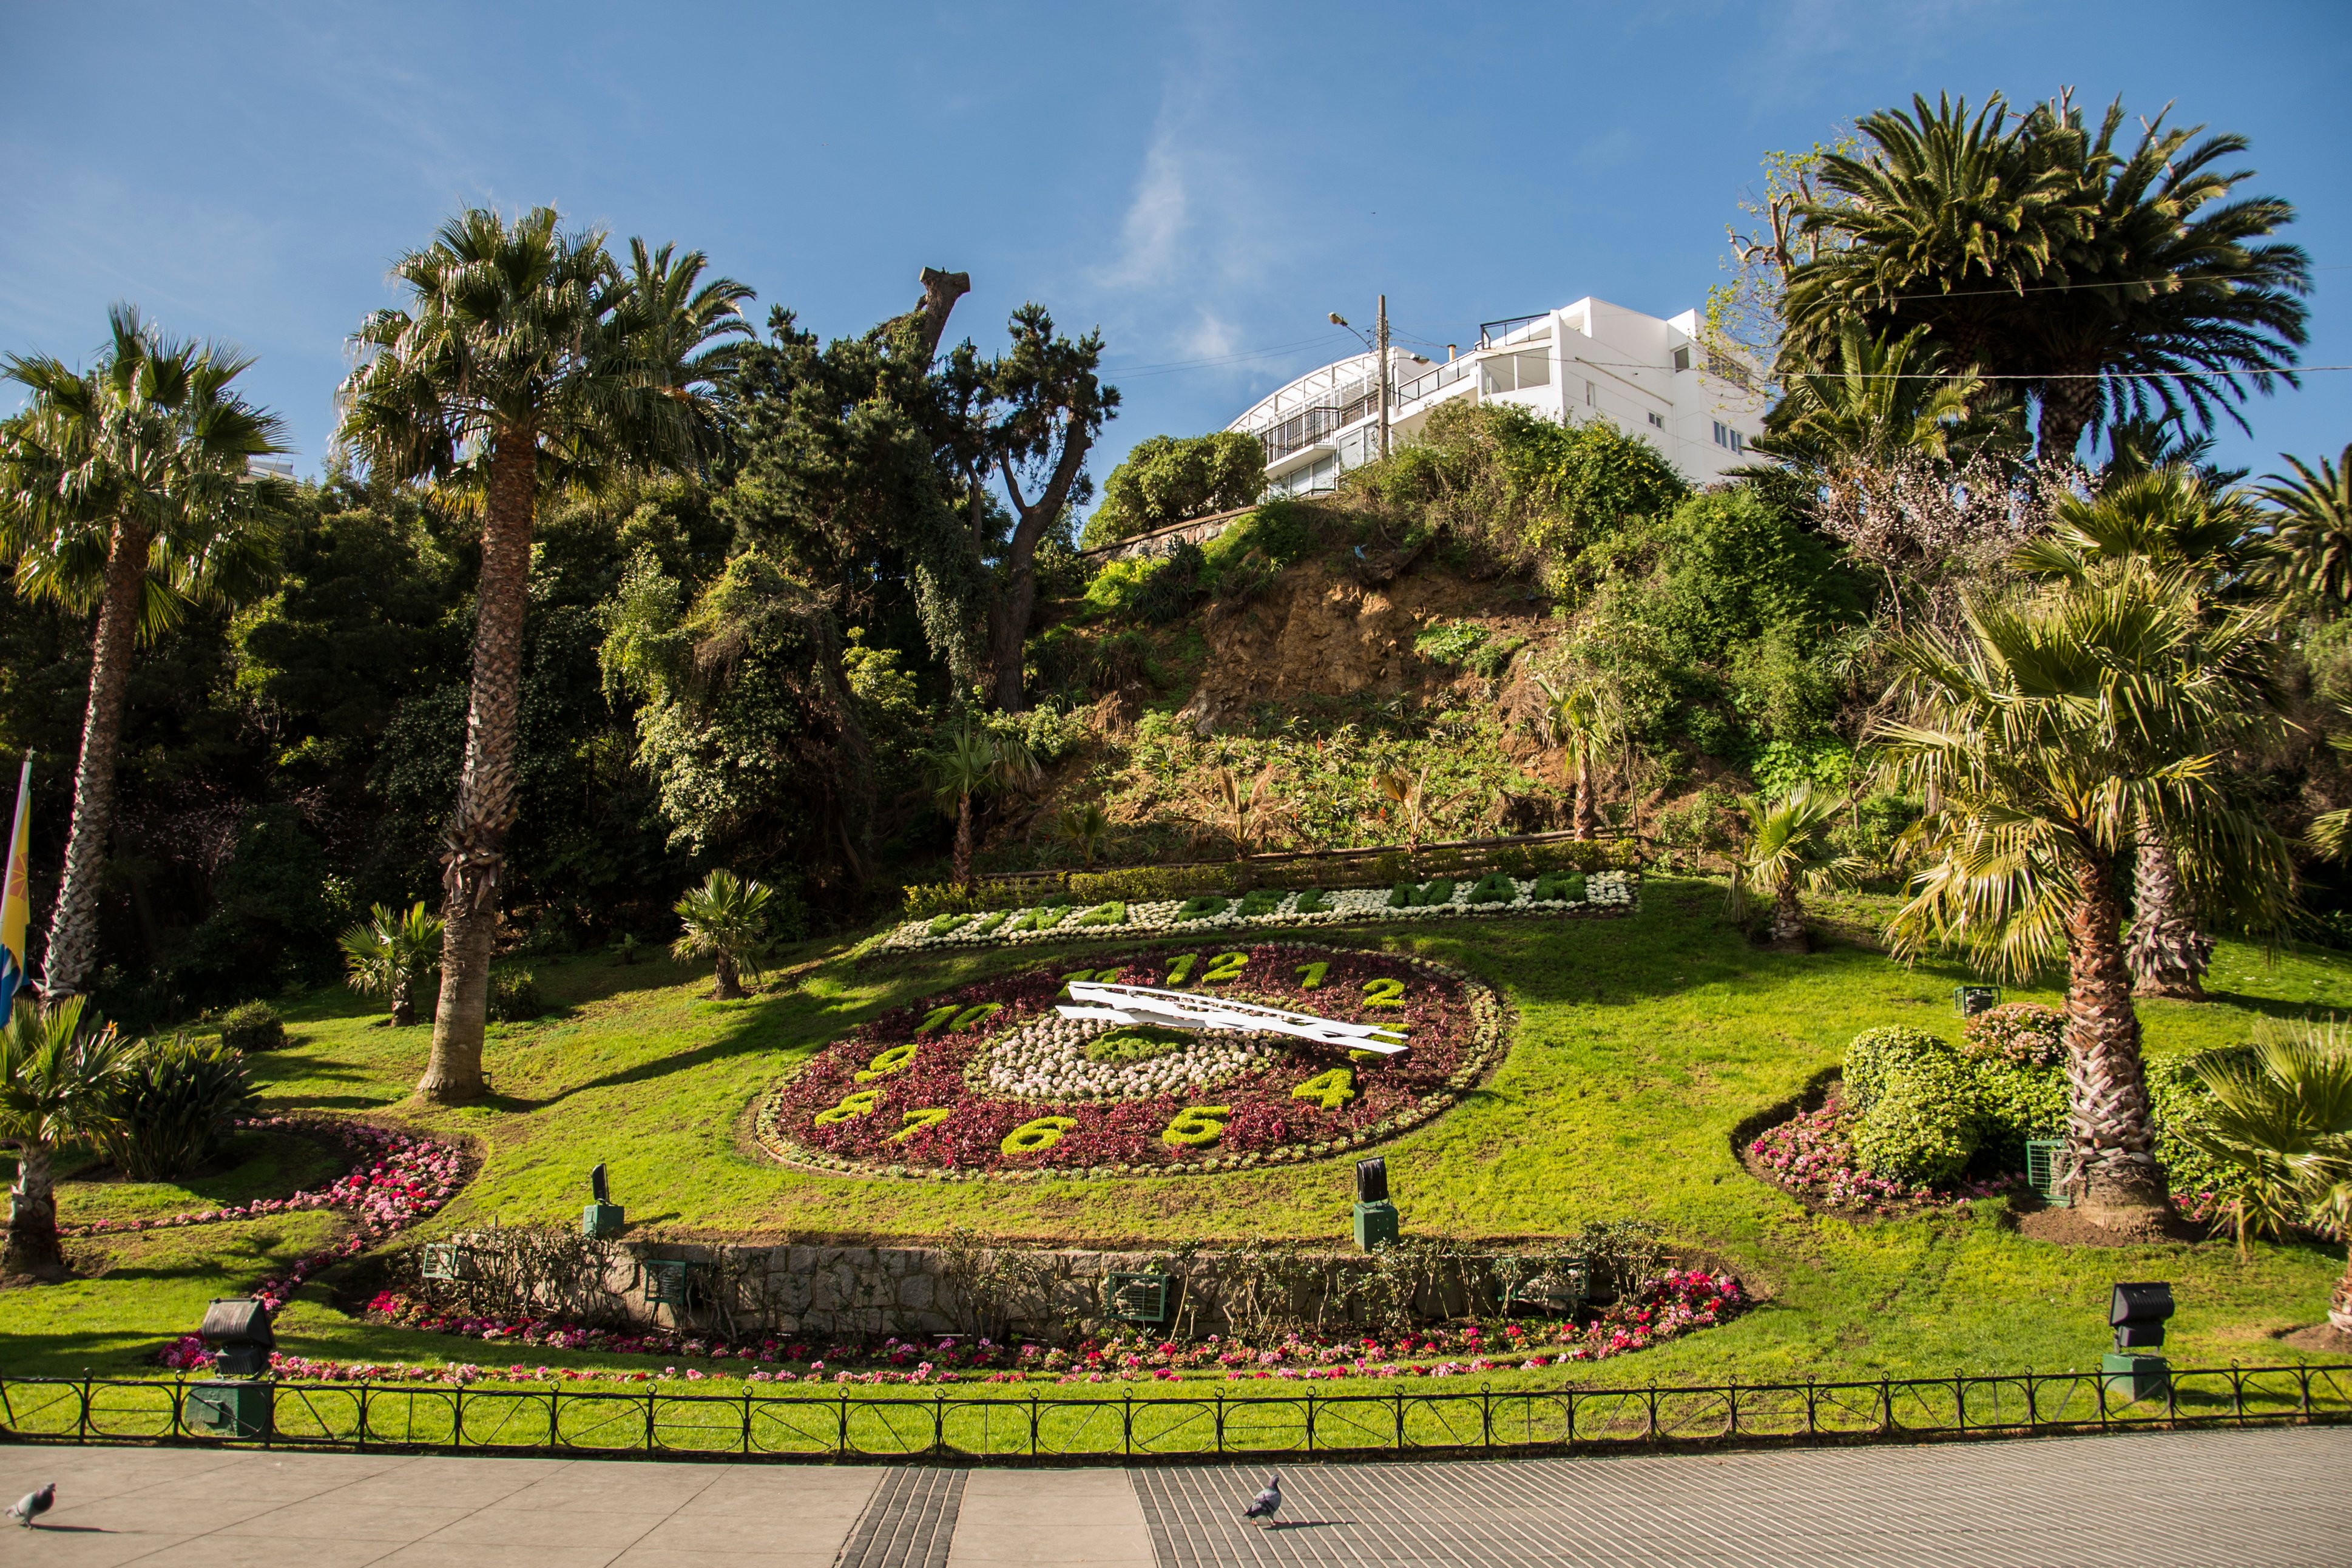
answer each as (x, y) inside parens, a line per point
(32, 1505)
(1267, 1503)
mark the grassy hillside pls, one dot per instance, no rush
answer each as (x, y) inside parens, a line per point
(1640, 1045)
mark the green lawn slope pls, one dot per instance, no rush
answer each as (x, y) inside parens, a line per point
(1640, 1045)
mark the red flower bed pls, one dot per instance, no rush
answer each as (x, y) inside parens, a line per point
(852, 1105)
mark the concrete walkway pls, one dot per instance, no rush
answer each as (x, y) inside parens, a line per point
(2210, 1500)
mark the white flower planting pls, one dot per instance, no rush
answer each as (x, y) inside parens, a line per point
(1047, 1060)
(1603, 891)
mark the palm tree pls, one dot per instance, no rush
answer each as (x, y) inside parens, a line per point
(2047, 734)
(2104, 282)
(2313, 527)
(1575, 719)
(727, 922)
(128, 491)
(390, 953)
(525, 359)
(972, 761)
(54, 1079)
(1084, 826)
(1880, 398)
(2282, 1121)
(1788, 853)
(2207, 545)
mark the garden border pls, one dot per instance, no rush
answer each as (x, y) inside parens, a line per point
(841, 1428)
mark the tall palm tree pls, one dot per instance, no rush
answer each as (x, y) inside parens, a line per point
(974, 760)
(1577, 719)
(2104, 281)
(725, 920)
(390, 953)
(128, 489)
(524, 359)
(2047, 734)
(54, 1079)
(1788, 854)
(2313, 528)
(1877, 399)
(2207, 545)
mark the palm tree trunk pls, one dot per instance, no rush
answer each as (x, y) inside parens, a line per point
(2339, 1303)
(2066, 409)
(404, 1000)
(1788, 916)
(474, 852)
(32, 1214)
(1586, 819)
(726, 986)
(963, 841)
(2113, 1176)
(73, 926)
(2166, 953)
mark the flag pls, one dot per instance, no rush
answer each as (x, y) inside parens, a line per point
(15, 893)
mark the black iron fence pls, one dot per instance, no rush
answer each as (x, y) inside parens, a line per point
(1005, 1422)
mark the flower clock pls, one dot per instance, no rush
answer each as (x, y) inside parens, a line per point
(1013, 1078)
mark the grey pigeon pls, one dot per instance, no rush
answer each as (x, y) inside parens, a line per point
(32, 1505)
(1267, 1503)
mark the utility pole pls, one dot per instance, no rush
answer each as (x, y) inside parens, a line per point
(1383, 352)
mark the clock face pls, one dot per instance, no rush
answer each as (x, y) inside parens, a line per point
(997, 1079)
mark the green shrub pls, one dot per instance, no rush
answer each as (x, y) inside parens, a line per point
(1494, 888)
(1923, 1128)
(252, 1026)
(1449, 642)
(1875, 1057)
(1568, 887)
(173, 1105)
(2023, 1033)
(2179, 1100)
(514, 995)
(1262, 902)
(1311, 902)
(1204, 908)
(2017, 1102)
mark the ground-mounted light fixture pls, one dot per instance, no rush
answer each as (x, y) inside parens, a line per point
(2137, 1312)
(603, 1217)
(233, 1405)
(1376, 1217)
(1133, 1297)
(1969, 1001)
(678, 1283)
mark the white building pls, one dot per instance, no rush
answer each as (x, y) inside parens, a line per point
(1590, 360)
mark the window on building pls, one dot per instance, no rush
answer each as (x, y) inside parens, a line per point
(1659, 420)
(1514, 373)
(1682, 358)
(1591, 394)
(1724, 436)
(1534, 369)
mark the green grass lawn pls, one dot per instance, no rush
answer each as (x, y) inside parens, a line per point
(1641, 1044)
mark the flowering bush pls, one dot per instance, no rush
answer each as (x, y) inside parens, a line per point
(1600, 894)
(1812, 1155)
(2022, 1034)
(996, 1082)
(1671, 1304)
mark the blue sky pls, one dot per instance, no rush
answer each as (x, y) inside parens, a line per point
(1203, 182)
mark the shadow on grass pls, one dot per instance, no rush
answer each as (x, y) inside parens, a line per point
(752, 1029)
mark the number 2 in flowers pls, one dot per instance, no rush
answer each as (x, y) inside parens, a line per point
(1330, 1090)
(1383, 993)
(1223, 967)
(859, 1103)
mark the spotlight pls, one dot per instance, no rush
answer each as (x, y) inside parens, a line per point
(1376, 1217)
(602, 1216)
(2136, 1312)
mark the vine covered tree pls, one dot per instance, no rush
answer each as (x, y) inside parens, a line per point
(2049, 733)
(129, 489)
(523, 359)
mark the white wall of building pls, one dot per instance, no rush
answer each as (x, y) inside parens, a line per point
(1590, 360)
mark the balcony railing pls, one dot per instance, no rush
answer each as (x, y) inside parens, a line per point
(1490, 333)
(1309, 427)
(1435, 381)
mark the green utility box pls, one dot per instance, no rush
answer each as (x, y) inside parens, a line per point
(227, 1409)
(1135, 1298)
(1376, 1225)
(2136, 1377)
(599, 1222)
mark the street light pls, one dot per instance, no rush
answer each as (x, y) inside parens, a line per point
(1379, 345)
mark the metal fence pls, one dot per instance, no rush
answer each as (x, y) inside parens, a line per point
(671, 1421)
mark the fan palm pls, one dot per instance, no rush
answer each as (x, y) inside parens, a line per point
(2313, 527)
(2207, 545)
(127, 489)
(54, 1081)
(390, 953)
(2048, 735)
(975, 760)
(524, 359)
(725, 920)
(1576, 719)
(1788, 854)
(1247, 813)
(1084, 826)
(2105, 282)
(1879, 397)
(2280, 1116)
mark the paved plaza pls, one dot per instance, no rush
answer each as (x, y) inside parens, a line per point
(2199, 1499)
